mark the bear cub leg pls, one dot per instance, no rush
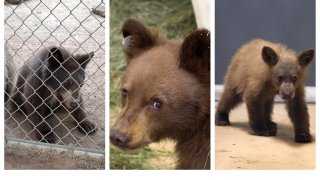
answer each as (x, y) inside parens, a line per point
(298, 113)
(84, 125)
(260, 117)
(228, 101)
(43, 130)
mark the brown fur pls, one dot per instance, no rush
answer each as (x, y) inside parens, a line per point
(259, 71)
(175, 76)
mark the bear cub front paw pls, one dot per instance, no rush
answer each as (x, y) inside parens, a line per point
(86, 127)
(222, 119)
(269, 130)
(303, 138)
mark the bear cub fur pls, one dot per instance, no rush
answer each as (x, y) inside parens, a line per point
(257, 73)
(166, 94)
(50, 79)
(9, 67)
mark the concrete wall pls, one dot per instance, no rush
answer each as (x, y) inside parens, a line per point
(291, 22)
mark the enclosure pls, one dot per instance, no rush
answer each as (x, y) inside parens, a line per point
(72, 25)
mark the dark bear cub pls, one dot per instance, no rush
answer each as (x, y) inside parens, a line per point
(257, 73)
(9, 68)
(166, 94)
(50, 79)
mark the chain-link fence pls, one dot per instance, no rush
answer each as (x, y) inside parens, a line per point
(37, 26)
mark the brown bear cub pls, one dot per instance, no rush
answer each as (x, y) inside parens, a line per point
(166, 94)
(50, 79)
(257, 73)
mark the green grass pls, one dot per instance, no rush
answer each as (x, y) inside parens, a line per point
(137, 159)
(132, 160)
(173, 18)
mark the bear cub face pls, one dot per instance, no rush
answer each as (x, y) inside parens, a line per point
(165, 89)
(68, 75)
(288, 73)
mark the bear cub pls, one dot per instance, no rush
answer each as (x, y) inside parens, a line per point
(165, 93)
(50, 79)
(8, 73)
(257, 73)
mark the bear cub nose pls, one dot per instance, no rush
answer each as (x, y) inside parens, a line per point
(74, 105)
(118, 138)
(286, 94)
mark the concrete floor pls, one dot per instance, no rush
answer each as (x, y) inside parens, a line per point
(235, 148)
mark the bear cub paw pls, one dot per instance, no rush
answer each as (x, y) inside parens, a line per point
(86, 127)
(303, 138)
(222, 119)
(269, 130)
(49, 137)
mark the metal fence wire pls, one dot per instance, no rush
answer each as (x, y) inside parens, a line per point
(36, 25)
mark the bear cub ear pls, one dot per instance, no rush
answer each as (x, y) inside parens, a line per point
(305, 57)
(83, 60)
(137, 38)
(55, 56)
(195, 53)
(269, 55)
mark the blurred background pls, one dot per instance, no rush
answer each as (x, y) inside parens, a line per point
(290, 22)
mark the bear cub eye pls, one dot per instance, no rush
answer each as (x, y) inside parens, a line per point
(280, 78)
(156, 104)
(294, 78)
(124, 93)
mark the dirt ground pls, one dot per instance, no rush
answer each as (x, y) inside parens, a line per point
(235, 148)
(35, 157)
(71, 24)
